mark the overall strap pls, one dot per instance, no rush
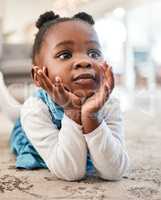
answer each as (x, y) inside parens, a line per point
(55, 110)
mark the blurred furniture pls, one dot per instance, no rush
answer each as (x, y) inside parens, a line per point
(15, 63)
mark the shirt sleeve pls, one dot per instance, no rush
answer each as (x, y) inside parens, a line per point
(106, 143)
(58, 148)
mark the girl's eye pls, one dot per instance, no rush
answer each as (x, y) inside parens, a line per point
(64, 55)
(94, 54)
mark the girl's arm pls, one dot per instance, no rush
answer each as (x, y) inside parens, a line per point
(64, 151)
(106, 143)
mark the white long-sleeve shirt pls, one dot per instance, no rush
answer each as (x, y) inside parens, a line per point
(65, 151)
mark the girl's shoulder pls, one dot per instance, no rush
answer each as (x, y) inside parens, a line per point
(111, 108)
(111, 103)
(34, 105)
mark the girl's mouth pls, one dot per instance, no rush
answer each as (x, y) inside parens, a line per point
(84, 78)
(84, 81)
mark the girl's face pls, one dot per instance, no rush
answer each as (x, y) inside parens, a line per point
(71, 51)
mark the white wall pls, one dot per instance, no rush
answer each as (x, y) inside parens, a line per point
(17, 13)
(1, 15)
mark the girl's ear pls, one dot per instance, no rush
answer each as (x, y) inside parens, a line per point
(34, 77)
(32, 73)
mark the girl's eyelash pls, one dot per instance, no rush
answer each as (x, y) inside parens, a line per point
(95, 50)
(65, 52)
(61, 52)
(96, 53)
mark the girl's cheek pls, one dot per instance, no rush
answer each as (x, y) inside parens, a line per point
(52, 73)
(51, 76)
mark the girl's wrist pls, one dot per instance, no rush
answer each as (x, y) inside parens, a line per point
(90, 122)
(89, 115)
(74, 114)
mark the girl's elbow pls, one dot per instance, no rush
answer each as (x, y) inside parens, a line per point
(76, 176)
(116, 174)
(122, 168)
(72, 175)
(111, 177)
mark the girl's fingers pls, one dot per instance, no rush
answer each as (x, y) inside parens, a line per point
(109, 76)
(57, 91)
(107, 88)
(46, 80)
(111, 80)
(42, 82)
(108, 81)
(102, 75)
(60, 86)
(103, 95)
(34, 71)
(44, 85)
(65, 94)
(35, 68)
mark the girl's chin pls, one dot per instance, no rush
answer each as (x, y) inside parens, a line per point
(84, 93)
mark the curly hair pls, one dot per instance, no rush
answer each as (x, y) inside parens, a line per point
(48, 19)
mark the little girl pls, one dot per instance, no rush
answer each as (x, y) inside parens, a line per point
(70, 125)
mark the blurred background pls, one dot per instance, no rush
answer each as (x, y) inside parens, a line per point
(130, 34)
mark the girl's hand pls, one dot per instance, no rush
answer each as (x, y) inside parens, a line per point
(94, 103)
(58, 93)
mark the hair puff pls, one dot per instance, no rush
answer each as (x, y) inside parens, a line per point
(46, 17)
(85, 17)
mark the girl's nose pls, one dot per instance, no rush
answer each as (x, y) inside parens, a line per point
(82, 64)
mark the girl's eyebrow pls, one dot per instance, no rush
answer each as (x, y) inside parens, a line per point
(93, 42)
(67, 42)
(70, 42)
